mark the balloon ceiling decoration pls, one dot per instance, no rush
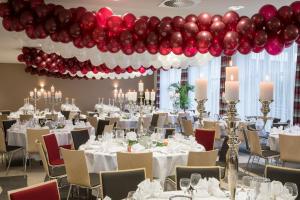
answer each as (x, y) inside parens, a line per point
(269, 29)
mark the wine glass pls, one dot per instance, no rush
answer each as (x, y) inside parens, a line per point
(185, 184)
(292, 189)
(246, 181)
(195, 178)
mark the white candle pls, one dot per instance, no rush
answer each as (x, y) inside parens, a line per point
(39, 94)
(152, 95)
(49, 94)
(35, 90)
(73, 101)
(31, 93)
(232, 72)
(141, 86)
(266, 90)
(52, 88)
(134, 95)
(232, 90)
(147, 95)
(201, 89)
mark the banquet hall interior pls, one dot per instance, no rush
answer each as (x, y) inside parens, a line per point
(149, 99)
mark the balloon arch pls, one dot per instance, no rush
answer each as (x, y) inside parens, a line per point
(270, 29)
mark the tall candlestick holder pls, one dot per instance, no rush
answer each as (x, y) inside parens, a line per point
(201, 110)
(53, 98)
(265, 110)
(232, 159)
(35, 96)
(141, 128)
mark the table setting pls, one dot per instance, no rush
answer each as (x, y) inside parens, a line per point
(167, 153)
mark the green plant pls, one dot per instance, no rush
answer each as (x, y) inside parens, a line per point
(183, 91)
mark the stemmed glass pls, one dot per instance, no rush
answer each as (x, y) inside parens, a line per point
(195, 178)
(292, 188)
(185, 184)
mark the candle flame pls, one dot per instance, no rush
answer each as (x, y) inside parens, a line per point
(230, 63)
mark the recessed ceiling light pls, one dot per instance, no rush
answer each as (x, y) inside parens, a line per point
(235, 8)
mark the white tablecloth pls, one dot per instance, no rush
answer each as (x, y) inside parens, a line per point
(17, 136)
(101, 156)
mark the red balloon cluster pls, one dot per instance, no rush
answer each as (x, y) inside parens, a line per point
(269, 29)
(54, 63)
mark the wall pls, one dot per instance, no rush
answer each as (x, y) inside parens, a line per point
(15, 85)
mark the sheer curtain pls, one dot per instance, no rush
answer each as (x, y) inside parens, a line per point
(166, 79)
(211, 71)
(281, 69)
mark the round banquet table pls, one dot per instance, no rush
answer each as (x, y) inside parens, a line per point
(16, 135)
(101, 155)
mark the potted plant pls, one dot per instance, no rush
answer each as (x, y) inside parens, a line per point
(183, 91)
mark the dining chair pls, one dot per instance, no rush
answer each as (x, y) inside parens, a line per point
(146, 122)
(154, 121)
(5, 112)
(2, 118)
(283, 174)
(118, 184)
(25, 118)
(93, 121)
(46, 191)
(289, 148)
(79, 137)
(206, 138)
(213, 125)
(7, 150)
(205, 171)
(32, 135)
(77, 171)
(50, 144)
(256, 148)
(53, 117)
(169, 132)
(100, 126)
(7, 124)
(136, 160)
(52, 172)
(202, 158)
(74, 114)
(66, 114)
(108, 128)
(113, 120)
(187, 127)
(162, 120)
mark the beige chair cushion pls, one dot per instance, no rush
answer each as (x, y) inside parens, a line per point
(32, 136)
(205, 158)
(289, 148)
(2, 141)
(24, 118)
(93, 121)
(187, 127)
(254, 142)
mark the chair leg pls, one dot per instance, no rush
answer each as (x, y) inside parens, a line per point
(247, 166)
(25, 162)
(69, 192)
(252, 161)
(9, 162)
(98, 192)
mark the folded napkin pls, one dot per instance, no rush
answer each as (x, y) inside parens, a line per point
(107, 198)
(148, 189)
(137, 147)
(214, 188)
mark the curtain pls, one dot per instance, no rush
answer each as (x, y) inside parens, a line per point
(296, 116)
(280, 69)
(166, 79)
(211, 71)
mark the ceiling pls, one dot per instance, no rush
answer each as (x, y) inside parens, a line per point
(10, 45)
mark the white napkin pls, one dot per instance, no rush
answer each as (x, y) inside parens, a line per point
(137, 147)
(107, 198)
(148, 189)
(214, 188)
(131, 136)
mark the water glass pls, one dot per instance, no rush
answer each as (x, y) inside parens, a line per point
(195, 178)
(185, 184)
(120, 134)
(292, 188)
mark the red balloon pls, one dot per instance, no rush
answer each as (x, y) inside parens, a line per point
(99, 34)
(228, 52)
(88, 21)
(296, 7)
(153, 22)
(128, 49)
(285, 14)
(6, 22)
(178, 23)
(64, 16)
(231, 40)
(113, 46)
(16, 25)
(102, 46)
(274, 25)
(176, 39)
(218, 28)
(114, 23)
(78, 13)
(290, 33)
(245, 46)
(50, 25)
(17, 5)
(4, 10)
(258, 20)
(191, 28)
(40, 32)
(165, 47)
(204, 39)
(126, 37)
(164, 28)
(129, 20)
(146, 18)
(142, 70)
(177, 50)
(231, 19)
(74, 30)
(190, 48)
(140, 47)
(64, 36)
(215, 51)
(129, 69)
(152, 49)
(152, 38)
(244, 26)
(167, 20)
(35, 3)
(88, 41)
(204, 21)
(140, 27)
(191, 18)
(26, 18)
(216, 18)
(260, 38)
(274, 45)
(106, 11)
(41, 11)
(21, 58)
(268, 12)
